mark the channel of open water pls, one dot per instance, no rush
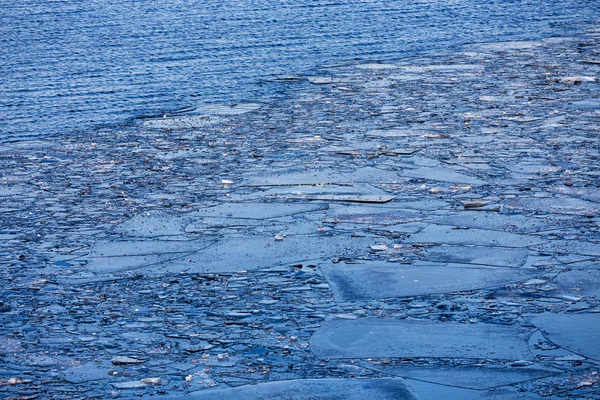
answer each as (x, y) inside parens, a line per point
(72, 65)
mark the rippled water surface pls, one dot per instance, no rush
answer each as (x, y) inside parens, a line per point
(68, 65)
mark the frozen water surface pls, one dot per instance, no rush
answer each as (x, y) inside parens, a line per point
(576, 332)
(380, 280)
(311, 389)
(445, 234)
(380, 338)
(479, 255)
(478, 378)
(432, 217)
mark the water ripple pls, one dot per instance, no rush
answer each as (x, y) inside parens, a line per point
(71, 65)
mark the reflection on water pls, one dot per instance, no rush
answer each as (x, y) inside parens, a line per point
(67, 65)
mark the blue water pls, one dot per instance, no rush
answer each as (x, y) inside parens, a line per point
(71, 65)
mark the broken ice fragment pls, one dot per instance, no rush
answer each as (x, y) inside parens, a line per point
(445, 234)
(533, 282)
(380, 280)
(123, 360)
(238, 315)
(380, 337)
(377, 199)
(130, 385)
(520, 363)
(572, 80)
(576, 332)
(474, 203)
(464, 376)
(306, 389)
(14, 381)
(226, 183)
(379, 247)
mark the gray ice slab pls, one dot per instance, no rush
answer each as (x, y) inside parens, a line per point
(422, 161)
(508, 393)
(480, 255)
(349, 198)
(468, 377)
(496, 222)
(572, 258)
(153, 225)
(130, 385)
(381, 280)
(285, 193)
(144, 248)
(532, 168)
(86, 372)
(446, 234)
(375, 338)
(571, 247)
(556, 205)
(400, 151)
(106, 265)
(472, 162)
(202, 225)
(111, 257)
(356, 149)
(519, 119)
(580, 282)
(375, 175)
(549, 350)
(579, 333)
(440, 174)
(432, 391)
(306, 224)
(583, 264)
(299, 177)
(252, 252)
(256, 210)
(309, 389)
(406, 228)
(424, 204)
(372, 215)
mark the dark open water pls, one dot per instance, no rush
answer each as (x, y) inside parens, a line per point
(69, 65)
